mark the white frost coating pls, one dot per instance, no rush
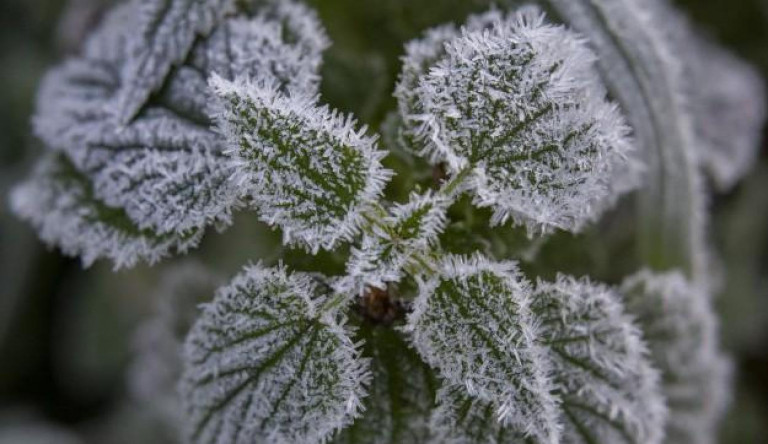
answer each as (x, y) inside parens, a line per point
(307, 169)
(58, 201)
(407, 231)
(167, 30)
(263, 365)
(609, 391)
(729, 108)
(158, 342)
(681, 329)
(472, 322)
(521, 103)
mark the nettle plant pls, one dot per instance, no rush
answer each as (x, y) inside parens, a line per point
(178, 113)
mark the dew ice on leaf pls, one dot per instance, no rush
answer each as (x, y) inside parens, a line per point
(59, 202)
(264, 364)
(307, 169)
(401, 393)
(472, 322)
(680, 327)
(520, 102)
(608, 390)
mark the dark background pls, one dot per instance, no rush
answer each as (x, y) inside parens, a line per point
(65, 332)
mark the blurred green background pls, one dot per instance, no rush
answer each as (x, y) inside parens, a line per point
(66, 333)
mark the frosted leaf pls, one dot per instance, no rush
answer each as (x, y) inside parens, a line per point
(158, 342)
(472, 323)
(264, 364)
(59, 202)
(729, 106)
(411, 229)
(462, 419)
(600, 366)
(521, 103)
(307, 169)
(401, 395)
(681, 329)
(167, 30)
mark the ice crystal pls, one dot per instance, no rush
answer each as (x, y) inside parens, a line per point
(265, 364)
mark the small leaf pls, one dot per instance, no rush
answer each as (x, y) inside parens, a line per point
(522, 105)
(401, 397)
(59, 202)
(601, 368)
(264, 364)
(307, 169)
(473, 324)
(407, 232)
(681, 328)
(167, 30)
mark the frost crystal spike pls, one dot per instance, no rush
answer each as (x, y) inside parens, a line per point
(521, 104)
(263, 364)
(472, 322)
(681, 329)
(307, 169)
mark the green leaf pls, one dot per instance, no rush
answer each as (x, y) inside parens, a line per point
(264, 363)
(473, 324)
(307, 169)
(608, 389)
(59, 202)
(401, 395)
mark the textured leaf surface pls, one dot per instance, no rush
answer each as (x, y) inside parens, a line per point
(262, 364)
(401, 395)
(307, 169)
(167, 30)
(681, 329)
(59, 202)
(158, 342)
(520, 102)
(473, 324)
(609, 392)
